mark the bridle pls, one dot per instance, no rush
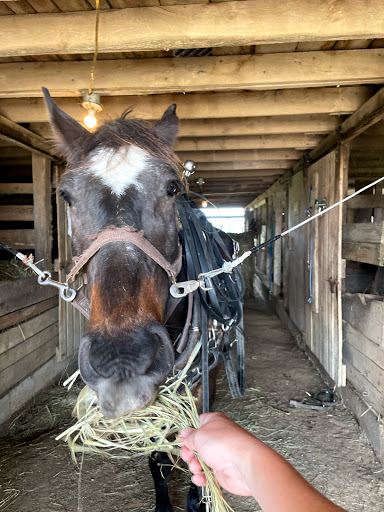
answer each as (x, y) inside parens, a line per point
(125, 234)
(213, 311)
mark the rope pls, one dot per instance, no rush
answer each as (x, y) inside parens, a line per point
(244, 256)
(96, 47)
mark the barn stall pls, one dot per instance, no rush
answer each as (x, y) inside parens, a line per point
(280, 117)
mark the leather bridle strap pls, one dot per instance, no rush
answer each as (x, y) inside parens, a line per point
(125, 234)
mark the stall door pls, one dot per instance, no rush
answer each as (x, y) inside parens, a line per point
(325, 267)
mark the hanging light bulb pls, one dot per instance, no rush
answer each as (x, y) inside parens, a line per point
(90, 120)
(91, 102)
(204, 204)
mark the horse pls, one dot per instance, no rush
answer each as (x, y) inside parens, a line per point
(121, 186)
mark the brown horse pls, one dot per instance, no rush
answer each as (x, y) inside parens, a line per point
(121, 183)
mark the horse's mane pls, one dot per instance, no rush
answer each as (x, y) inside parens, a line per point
(123, 132)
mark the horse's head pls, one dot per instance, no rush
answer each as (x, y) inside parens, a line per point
(124, 174)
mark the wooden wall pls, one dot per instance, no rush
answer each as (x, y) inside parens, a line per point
(315, 310)
(39, 335)
(30, 332)
(345, 331)
(363, 349)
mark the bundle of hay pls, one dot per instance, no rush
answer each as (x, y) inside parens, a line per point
(142, 432)
(13, 269)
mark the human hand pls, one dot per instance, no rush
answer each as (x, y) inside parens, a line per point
(222, 445)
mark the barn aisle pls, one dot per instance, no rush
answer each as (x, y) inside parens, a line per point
(37, 474)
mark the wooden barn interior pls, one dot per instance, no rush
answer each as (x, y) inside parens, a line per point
(281, 107)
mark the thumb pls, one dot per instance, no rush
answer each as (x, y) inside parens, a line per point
(188, 435)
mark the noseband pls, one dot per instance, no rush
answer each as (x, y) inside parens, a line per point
(125, 234)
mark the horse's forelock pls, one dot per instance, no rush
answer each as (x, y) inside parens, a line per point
(120, 133)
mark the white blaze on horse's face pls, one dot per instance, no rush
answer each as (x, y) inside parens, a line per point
(119, 169)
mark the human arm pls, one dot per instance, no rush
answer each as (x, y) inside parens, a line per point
(244, 465)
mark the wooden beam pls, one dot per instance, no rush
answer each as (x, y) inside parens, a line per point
(372, 201)
(365, 172)
(364, 117)
(229, 193)
(239, 174)
(42, 190)
(12, 133)
(195, 74)
(295, 141)
(16, 188)
(249, 154)
(233, 166)
(342, 100)
(18, 238)
(190, 26)
(16, 213)
(309, 125)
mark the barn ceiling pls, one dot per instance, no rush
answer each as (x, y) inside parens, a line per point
(258, 84)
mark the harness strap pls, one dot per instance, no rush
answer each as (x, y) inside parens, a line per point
(125, 234)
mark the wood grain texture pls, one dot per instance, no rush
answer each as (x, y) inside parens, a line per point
(286, 102)
(26, 313)
(195, 74)
(193, 26)
(19, 294)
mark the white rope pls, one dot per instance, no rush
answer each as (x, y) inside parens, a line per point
(333, 206)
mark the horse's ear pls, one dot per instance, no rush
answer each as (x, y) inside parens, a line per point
(66, 129)
(168, 126)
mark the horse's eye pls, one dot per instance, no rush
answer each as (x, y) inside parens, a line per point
(171, 190)
(66, 198)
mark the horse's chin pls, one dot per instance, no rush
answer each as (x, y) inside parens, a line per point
(120, 399)
(126, 372)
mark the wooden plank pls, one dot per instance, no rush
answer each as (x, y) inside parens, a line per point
(364, 117)
(246, 164)
(359, 342)
(247, 173)
(374, 201)
(26, 313)
(341, 100)
(12, 337)
(370, 232)
(19, 371)
(368, 368)
(295, 141)
(305, 124)
(371, 394)
(225, 73)
(193, 26)
(240, 155)
(13, 133)
(365, 172)
(18, 238)
(365, 313)
(42, 209)
(16, 212)
(16, 188)
(15, 295)
(364, 252)
(21, 350)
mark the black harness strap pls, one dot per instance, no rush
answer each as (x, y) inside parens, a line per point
(205, 250)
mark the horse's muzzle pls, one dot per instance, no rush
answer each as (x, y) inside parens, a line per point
(126, 370)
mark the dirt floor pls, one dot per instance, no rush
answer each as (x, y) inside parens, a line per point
(37, 473)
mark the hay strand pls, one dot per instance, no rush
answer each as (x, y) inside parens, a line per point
(139, 433)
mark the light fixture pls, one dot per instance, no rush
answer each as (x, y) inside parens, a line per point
(91, 102)
(200, 182)
(204, 204)
(189, 168)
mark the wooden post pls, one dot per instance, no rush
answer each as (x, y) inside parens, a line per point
(378, 212)
(42, 210)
